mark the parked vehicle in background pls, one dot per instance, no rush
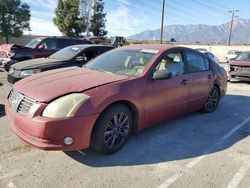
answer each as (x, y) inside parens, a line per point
(212, 56)
(209, 54)
(117, 41)
(124, 90)
(239, 69)
(76, 55)
(36, 48)
(201, 50)
(232, 54)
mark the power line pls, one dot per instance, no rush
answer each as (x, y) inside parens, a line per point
(190, 8)
(222, 6)
(206, 6)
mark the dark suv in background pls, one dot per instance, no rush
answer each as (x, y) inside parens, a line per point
(37, 48)
(76, 55)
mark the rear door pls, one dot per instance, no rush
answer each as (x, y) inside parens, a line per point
(201, 78)
(167, 98)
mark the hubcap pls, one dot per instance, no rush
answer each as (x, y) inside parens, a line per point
(213, 99)
(117, 130)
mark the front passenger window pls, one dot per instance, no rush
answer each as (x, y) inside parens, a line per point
(173, 63)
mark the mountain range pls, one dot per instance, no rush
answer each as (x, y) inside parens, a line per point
(217, 34)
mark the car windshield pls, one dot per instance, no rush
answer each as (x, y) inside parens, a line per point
(243, 56)
(33, 43)
(66, 53)
(124, 62)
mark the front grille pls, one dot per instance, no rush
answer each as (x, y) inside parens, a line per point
(3, 54)
(25, 105)
(20, 103)
(240, 68)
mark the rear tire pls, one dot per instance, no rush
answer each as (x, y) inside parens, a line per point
(212, 100)
(112, 129)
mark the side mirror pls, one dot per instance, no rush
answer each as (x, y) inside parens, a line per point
(162, 75)
(41, 47)
(81, 58)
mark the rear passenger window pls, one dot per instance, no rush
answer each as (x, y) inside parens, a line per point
(62, 43)
(196, 62)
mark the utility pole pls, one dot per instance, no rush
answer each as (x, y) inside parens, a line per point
(162, 19)
(231, 25)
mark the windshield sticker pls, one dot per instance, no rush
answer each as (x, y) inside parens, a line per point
(150, 51)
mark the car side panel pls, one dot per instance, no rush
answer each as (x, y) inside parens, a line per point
(166, 98)
(128, 91)
(200, 85)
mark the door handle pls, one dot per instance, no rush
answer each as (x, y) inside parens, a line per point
(209, 77)
(184, 82)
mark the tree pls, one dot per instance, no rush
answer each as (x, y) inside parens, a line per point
(68, 20)
(98, 20)
(14, 18)
(85, 10)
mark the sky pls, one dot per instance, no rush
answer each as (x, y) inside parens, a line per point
(128, 17)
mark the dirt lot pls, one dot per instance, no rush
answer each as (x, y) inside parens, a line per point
(198, 150)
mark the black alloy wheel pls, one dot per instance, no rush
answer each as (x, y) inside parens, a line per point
(117, 130)
(212, 101)
(112, 129)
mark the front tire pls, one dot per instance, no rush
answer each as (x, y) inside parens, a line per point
(112, 129)
(212, 100)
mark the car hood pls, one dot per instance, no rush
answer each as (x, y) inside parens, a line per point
(45, 86)
(5, 49)
(240, 63)
(12, 47)
(35, 63)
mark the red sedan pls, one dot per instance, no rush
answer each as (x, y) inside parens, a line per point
(124, 90)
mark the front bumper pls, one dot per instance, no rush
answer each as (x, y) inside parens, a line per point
(48, 133)
(242, 76)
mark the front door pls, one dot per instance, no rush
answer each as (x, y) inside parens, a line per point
(167, 98)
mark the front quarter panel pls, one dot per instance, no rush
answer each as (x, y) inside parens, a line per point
(132, 91)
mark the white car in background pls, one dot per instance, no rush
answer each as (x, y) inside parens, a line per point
(232, 54)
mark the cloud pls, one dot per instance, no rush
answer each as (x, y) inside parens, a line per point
(125, 2)
(44, 4)
(42, 14)
(123, 21)
(40, 26)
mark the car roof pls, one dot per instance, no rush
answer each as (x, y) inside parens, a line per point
(159, 47)
(83, 46)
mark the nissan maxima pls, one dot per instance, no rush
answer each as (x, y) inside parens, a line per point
(120, 92)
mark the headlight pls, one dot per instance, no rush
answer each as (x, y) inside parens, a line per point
(11, 54)
(65, 106)
(26, 73)
(11, 71)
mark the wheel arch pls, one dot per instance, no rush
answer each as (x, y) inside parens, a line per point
(217, 85)
(132, 107)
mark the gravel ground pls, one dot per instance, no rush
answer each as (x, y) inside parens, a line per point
(198, 150)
